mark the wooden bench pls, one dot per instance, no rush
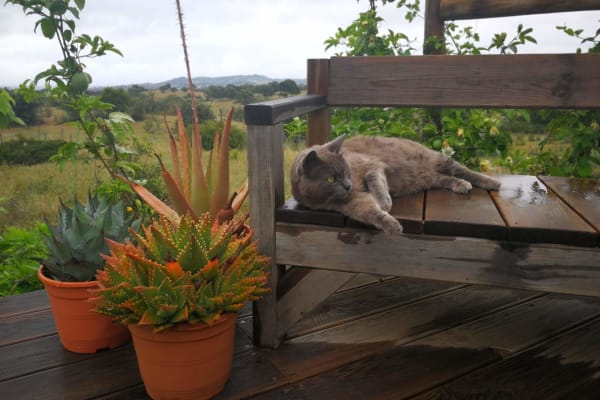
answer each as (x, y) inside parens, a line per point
(538, 233)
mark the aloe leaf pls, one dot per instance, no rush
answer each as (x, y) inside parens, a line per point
(211, 170)
(241, 196)
(176, 195)
(157, 204)
(200, 193)
(174, 154)
(221, 191)
(184, 156)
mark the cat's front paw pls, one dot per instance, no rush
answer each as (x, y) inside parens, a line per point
(391, 226)
(385, 202)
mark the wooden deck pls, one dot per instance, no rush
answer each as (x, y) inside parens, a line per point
(375, 338)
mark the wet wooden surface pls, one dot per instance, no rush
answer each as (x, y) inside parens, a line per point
(534, 213)
(527, 209)
(473, 215)
(375, 338)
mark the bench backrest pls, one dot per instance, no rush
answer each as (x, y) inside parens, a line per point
(486, 81)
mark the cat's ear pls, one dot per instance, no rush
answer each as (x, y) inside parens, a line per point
(310, 161)
(335, 145)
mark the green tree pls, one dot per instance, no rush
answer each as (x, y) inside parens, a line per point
(288, 86)
(119, 98)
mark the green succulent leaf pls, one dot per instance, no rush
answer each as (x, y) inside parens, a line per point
(182, 272)
(77, 241)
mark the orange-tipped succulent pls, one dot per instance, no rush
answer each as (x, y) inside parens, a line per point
(181, 272)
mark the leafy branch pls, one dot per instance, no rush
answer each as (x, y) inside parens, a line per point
(67, 80)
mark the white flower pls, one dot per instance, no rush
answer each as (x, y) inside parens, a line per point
(447, 150)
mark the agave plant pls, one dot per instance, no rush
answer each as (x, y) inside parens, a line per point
(185, 272)
(77, 242)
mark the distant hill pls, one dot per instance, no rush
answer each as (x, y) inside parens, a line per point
(204, 81)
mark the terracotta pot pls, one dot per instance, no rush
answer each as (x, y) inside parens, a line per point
(80, 329)
(189, 361)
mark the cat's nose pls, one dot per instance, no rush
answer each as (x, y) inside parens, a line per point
(347, 185)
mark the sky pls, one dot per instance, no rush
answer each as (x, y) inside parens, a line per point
(231, 37)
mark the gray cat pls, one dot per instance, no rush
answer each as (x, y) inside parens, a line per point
(359, 176)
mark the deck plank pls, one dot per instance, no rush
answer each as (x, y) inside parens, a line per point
(26, 357)
(351, 305)
(534, 214)
(563, 368)
(91, 377)
(27, 326)
(474, 215)
(433, 360)
(313, 353)
(28, 302)
(35, 355)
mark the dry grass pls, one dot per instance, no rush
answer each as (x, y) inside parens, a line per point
(29, 192)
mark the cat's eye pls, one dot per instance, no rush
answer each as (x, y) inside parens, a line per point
(331, 179)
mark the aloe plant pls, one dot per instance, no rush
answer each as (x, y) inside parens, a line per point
(76, 243)
(186, 272)
(191, 188)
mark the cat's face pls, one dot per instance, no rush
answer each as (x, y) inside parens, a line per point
(324, 175)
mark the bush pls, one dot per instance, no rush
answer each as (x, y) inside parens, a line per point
(237, 135)
(20, 252)
(28, 151)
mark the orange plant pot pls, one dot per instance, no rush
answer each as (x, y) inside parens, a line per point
(190, 361)
(80, 329)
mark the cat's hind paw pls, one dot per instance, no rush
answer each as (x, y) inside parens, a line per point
(491, 184)
(461, 186)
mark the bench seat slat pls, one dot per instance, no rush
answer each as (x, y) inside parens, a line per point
(473, 215)
(293, 212)
(409, 211)
(583, 195)
(535, 214)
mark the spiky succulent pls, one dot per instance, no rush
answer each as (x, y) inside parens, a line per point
(77, 242)
(186, 271)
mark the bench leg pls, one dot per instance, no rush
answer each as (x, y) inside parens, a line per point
(265, 178)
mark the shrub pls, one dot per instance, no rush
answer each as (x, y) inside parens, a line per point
(28, 151)
(20, 252)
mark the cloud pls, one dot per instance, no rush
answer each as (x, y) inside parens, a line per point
(269, 37)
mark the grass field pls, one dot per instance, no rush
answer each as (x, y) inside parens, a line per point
(28, 193)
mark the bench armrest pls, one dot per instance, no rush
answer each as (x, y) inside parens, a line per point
(275, 111)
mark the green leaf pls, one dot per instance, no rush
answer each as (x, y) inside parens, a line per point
(80, 4)
(48, 27)
(120, 117)
(58, 7)
(584, 168)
